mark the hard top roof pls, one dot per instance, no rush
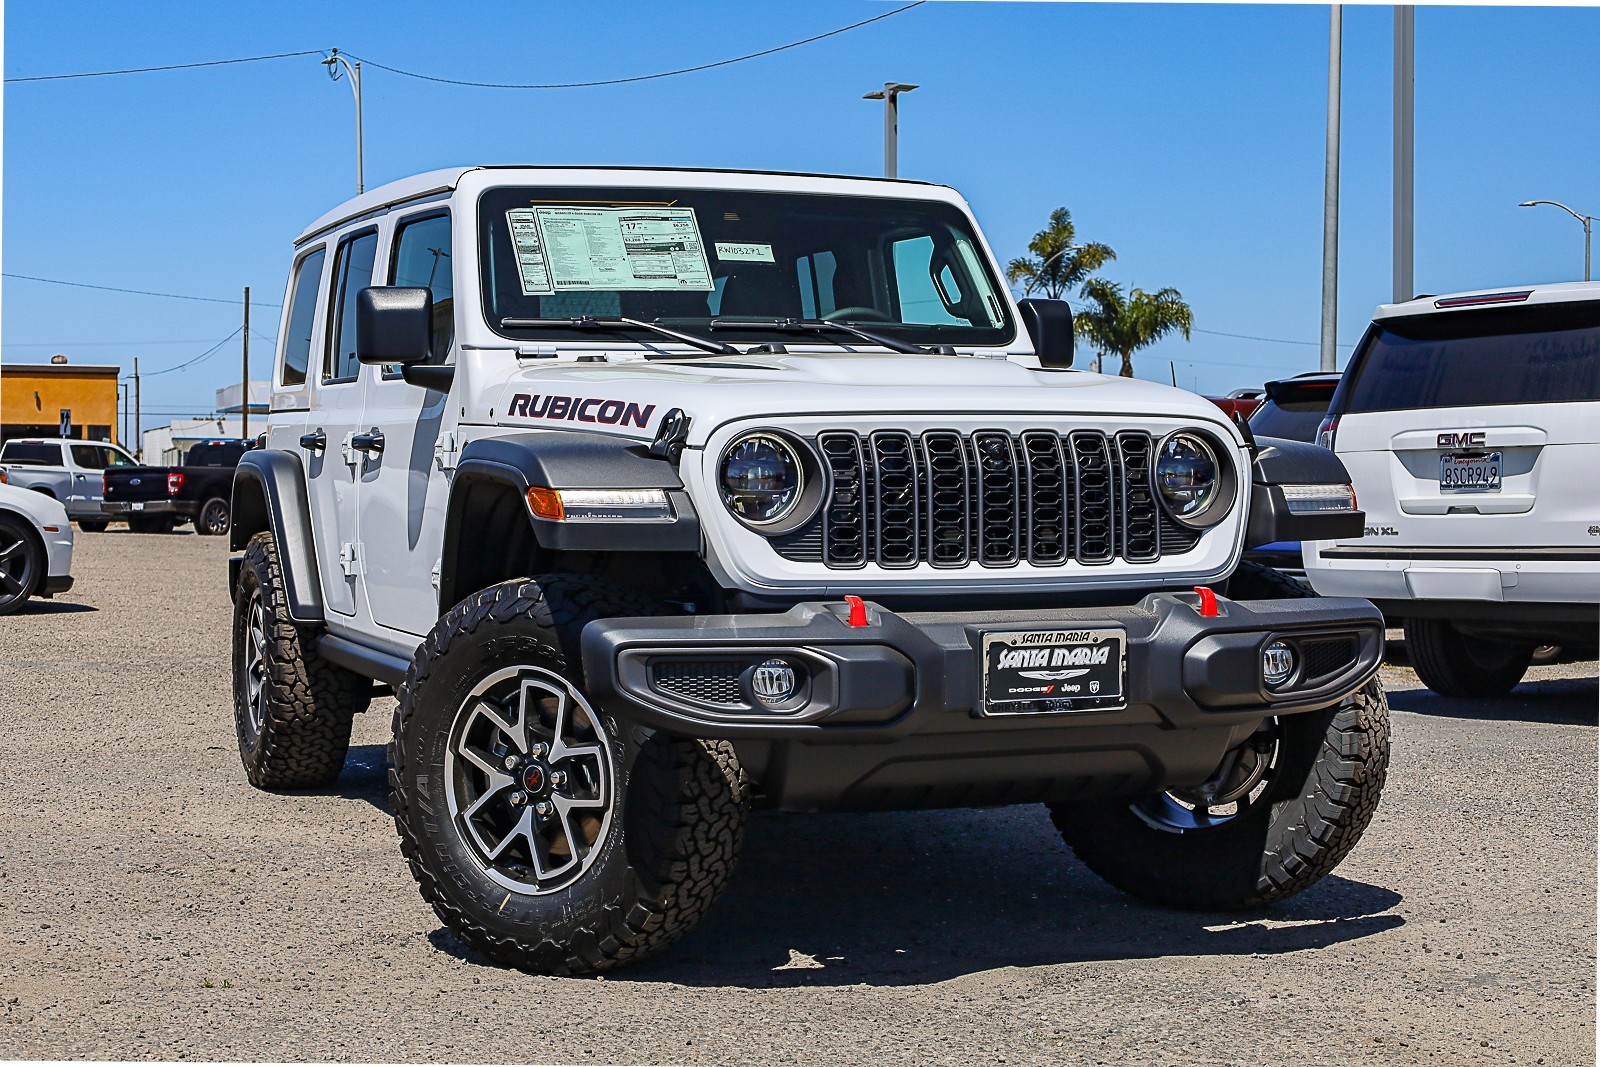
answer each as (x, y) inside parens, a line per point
(1507, 295)
(446, 179)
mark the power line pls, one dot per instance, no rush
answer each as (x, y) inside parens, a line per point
(189, 363)
(638, 77)
(136, 292)
(1272, 340)
(171, 66)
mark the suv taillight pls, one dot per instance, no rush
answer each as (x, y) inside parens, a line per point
(174, 483)
(1327, 431)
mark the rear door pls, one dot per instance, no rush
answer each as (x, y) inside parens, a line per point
(1477, 427)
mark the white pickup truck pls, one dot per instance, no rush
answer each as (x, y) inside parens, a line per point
(69, 470)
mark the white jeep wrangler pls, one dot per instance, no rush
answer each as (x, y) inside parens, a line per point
(728, 489)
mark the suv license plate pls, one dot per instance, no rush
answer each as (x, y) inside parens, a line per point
(1469, 472)
(1032, 672)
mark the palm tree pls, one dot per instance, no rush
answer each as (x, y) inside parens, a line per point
(1057, 264)
(1121, 325)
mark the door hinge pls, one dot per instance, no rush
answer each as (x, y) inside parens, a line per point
(348, 450)
(434, 575)
(445, 450)
(351, 558)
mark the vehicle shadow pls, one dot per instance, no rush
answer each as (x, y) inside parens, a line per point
(921, 897)
(1554, 701)
(366, 776)
(37, 606)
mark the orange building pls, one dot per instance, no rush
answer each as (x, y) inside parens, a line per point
(37, 398)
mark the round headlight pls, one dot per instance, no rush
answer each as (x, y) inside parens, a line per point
(761, 478)
(1187, 475)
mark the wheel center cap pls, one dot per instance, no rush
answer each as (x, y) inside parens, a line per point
(533, 777)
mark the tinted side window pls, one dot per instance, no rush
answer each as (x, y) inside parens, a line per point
(422, 257)
(1539, 354)
(89, 457)
(302, 315)
(352, 272)
(218, 454)
(42, 455)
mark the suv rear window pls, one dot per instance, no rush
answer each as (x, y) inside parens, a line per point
(1538, 354)
(37, 454)
(1293, 410)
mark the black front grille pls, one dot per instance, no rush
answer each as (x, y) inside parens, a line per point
(992, 497)
(1327, 655)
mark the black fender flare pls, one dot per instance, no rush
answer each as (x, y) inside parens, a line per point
(1278, 462)
(569, 460)
(269, 493)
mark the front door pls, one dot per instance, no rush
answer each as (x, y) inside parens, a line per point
(404, 488)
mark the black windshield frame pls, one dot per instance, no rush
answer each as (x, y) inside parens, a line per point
(795, 227)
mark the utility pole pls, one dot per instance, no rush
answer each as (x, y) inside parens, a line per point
(244, 402)
(890, 95)
(1330, 196)
(138, 434)
(334, 62)
(1405, 149)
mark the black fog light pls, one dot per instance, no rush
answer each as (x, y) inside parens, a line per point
(774, 682)
(1277, 664)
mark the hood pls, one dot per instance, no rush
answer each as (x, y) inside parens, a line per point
(631, 397)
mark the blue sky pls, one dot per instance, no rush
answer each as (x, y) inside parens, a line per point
(1189, 137)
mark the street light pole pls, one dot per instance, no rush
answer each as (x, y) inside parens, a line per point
(1405, 150)
(334, 62)
(1588, 228)
(1330, 197)
(890, 95)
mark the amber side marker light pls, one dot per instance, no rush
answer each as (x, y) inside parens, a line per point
(546, 504)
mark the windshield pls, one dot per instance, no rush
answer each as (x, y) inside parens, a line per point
(911, 270)
(1538, 354)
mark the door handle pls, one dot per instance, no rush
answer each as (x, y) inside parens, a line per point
(314, 442)
(370, 442)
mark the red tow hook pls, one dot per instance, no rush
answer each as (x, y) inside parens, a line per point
(1208, 603)
(858, 611)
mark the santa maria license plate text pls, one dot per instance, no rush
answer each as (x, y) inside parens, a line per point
(1050, 671)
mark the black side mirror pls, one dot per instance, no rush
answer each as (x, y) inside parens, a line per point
(394, 325)
(1049, 323)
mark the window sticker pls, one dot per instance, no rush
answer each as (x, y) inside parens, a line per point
(531, 268)
(743, 251)
(627, 249)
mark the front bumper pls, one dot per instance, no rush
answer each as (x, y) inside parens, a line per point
(889, 714)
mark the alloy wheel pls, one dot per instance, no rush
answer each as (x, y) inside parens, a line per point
(1238, 784)
(255, 669)
(19, 564)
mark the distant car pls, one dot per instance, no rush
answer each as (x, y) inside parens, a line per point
(68, 469)
(1291, 409)
(35, 547)
(1236, 404)
(155, 499)
(1470, 424)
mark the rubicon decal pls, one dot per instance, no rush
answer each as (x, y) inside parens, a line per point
(580, 409)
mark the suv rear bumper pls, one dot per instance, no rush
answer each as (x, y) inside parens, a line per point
(1469, 577)
(891, 712)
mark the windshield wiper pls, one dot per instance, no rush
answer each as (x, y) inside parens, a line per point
(590, 322)
(822, 326)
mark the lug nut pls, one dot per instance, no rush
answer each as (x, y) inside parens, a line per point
(558, 778)
(537, 752)
(542, 808)
(510, 763)
(518, 799)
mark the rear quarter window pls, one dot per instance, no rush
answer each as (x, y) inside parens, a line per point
(33, 454)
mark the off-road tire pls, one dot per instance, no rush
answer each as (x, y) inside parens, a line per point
(212, 518)
(671, 844)
(151, 523)
(1455, 665)
(309, 701)
(1321, 795)
(93, 525)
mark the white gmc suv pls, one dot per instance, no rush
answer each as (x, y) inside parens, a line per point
(1470, 424)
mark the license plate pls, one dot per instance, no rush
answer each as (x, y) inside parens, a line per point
(139, 506)
(1031, 672)
(1469, 472)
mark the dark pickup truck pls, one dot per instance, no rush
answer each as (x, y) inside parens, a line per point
(156, 499)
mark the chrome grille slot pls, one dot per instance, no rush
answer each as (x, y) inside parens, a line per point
(1141, 525)
(949, 499)
(1097, 505)
(992, 498)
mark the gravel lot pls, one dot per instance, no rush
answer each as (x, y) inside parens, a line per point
(153, 905)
